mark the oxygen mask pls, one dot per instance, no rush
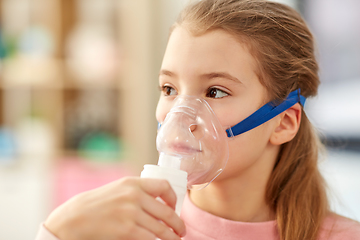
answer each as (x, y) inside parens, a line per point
(192, 139)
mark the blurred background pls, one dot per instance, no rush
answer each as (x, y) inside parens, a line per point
(78, 92)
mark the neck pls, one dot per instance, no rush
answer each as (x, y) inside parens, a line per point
(244, 205)
(240, 198)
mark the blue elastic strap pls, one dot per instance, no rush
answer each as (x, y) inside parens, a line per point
(265, 113)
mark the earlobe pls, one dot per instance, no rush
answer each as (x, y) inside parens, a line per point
(287, 126)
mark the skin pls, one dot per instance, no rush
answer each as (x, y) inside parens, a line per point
(202, 66)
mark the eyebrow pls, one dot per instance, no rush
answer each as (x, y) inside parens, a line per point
(220, 75)
(166, 73)
(210, 75)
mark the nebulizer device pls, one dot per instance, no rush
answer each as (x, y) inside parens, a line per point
(192, 145)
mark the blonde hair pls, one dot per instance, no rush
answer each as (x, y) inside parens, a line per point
(283, 47)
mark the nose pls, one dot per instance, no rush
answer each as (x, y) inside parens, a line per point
(192, 127)
(196, 131)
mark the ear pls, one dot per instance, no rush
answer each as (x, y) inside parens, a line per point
(287, 126)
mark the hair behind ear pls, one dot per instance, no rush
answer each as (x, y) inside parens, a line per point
(296, 188)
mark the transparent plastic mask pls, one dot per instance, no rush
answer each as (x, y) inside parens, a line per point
(192, 133)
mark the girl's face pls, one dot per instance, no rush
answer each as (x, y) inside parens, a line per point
(220, 69)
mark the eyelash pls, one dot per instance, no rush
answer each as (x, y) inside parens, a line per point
(165, 90)
(216, 89)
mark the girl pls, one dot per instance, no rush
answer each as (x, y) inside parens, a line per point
(238, 55)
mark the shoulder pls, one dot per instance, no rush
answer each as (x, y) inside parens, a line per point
(336, 227)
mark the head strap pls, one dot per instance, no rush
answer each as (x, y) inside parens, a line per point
(265, 113)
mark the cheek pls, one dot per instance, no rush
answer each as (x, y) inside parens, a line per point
(233, 110)
(228, 117)
(231, 115)
(240, 150)
(246, 149)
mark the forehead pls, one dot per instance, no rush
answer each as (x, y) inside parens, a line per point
(215, 50)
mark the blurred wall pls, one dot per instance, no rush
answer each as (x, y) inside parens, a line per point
(78, 92)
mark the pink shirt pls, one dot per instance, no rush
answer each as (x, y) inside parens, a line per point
(201, 225)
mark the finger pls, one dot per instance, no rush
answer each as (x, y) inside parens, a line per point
(142, 233)
(158, 228)
(164, 213)
(159, 188)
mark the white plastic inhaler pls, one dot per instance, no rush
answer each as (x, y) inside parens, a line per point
(193, 147)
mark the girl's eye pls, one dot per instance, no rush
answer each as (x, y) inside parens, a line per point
(168, 91)
(216, 93)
